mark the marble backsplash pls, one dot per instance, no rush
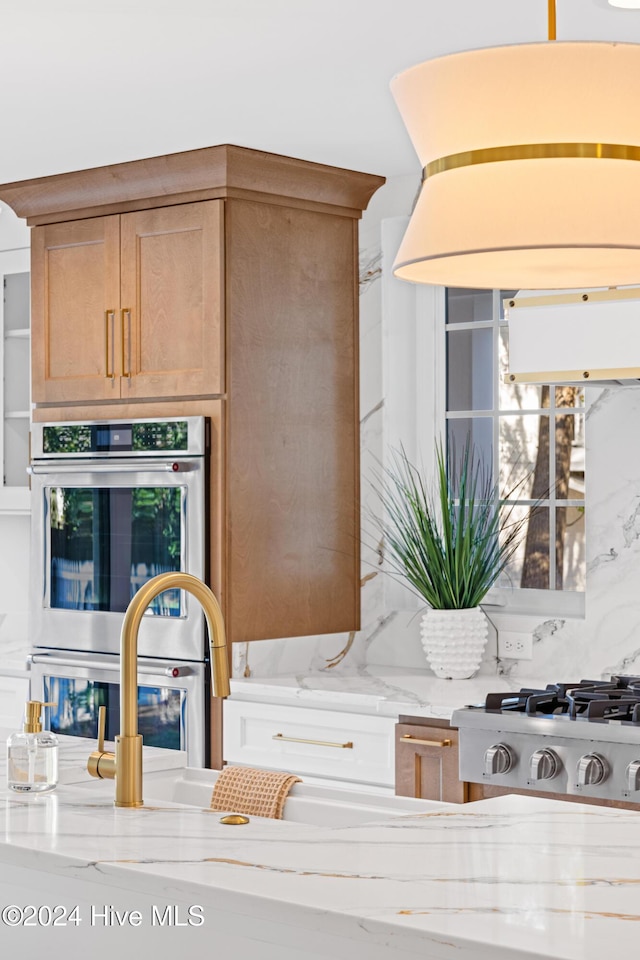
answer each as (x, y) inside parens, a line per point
(606, 641)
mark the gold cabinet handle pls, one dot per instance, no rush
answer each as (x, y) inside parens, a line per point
(107, 314)
(407, 738)
(317, 743)
(125, 311)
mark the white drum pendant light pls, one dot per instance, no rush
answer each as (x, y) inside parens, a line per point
(531, 157)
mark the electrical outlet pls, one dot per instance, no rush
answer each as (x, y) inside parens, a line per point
(515, 646)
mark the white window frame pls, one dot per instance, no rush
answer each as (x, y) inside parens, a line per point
(414, 390)
(569, 603)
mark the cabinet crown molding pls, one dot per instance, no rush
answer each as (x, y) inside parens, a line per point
(193, 175)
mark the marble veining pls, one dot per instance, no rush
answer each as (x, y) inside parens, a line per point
(522, 873)
(370, 269)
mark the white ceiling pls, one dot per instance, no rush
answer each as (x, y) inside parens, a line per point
(85, 83)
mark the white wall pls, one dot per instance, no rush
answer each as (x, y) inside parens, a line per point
(14, 530)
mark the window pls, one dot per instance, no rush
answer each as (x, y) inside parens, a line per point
(531, 437)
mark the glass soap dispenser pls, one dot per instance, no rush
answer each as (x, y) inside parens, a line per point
(32, 754)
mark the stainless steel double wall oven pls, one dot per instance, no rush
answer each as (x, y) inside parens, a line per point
(114, 504)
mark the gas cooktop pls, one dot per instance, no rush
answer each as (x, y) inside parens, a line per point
(579, 739)
(614, 699)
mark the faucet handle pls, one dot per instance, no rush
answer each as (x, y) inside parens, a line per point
(102, 724)
(101, 762)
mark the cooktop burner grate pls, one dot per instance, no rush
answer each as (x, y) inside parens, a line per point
(599, 700)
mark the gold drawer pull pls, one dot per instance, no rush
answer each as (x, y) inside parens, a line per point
(407, 738)
(317, 743)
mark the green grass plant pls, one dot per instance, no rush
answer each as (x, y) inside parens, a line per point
(450, 541)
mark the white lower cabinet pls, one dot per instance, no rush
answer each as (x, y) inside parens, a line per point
(318, 743)
(14, 693)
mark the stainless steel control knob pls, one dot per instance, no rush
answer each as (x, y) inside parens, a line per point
(592, 770)
(633, 776)
(544, 765)
(498, 759)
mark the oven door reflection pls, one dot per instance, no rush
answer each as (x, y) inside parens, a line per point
(172, 699)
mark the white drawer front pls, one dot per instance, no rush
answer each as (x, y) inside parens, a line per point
(323, 743)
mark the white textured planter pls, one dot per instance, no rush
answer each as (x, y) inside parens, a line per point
(454, 641)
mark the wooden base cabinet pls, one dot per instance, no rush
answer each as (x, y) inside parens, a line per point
(427, 763)
(221, 274)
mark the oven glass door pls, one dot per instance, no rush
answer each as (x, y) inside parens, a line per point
(160, 710)
(106, 542)
(172, 699)
(98, 533)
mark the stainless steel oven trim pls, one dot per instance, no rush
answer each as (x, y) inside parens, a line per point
(98, 631)
(196, 440)
(154, 668)
(175, 465)
(152, 673)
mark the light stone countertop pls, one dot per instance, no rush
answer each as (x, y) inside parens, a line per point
(385, 691)
(74, 753)
(511, 877)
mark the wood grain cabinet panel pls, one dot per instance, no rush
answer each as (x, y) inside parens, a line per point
(171, 308)
(427, 763)
(128, 307)
(292, 439)
(74, 301)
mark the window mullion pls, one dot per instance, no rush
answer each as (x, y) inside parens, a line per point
(552, 486)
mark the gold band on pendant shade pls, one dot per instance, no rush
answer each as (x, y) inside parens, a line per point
(532, 151)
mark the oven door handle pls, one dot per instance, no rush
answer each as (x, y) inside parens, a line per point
(174, 671)
(91, 466)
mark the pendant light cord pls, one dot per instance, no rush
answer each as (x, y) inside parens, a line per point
(552, 19)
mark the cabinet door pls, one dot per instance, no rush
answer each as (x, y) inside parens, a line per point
(172, 301)
(427, 763)
(15, 404)
(75, 296)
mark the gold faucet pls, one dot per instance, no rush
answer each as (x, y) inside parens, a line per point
(125, 765)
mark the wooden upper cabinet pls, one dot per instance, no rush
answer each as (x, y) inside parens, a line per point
(129, 307)
(75, 294)
(172, 286)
